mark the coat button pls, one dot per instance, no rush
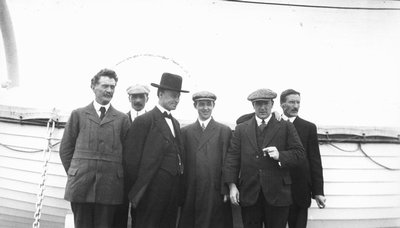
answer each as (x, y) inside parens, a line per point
(257, 156)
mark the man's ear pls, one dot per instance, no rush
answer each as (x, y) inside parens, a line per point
(194, 104)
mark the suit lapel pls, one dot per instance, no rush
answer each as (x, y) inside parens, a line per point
(92, 114)
(161, 124)
(271, 130)
(110, 115)
(251, 132)
(207, 133)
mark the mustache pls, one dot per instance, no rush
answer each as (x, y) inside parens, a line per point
(137, 103)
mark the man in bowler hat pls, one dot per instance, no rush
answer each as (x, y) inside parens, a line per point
(153, 157)
(262, 150)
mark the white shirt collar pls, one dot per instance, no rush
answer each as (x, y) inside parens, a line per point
(97, 106)
(259, 121)
(162, 109)
(205, 122)
(291, 119)
(135, 113)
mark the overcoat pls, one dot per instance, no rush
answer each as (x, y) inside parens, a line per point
(262, 173)
(205, 154)
(147, 140)
(91, 153)
(307, 178)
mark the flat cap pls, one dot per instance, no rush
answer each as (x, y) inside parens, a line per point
(138, 89)
(261, 94)
(204, 95)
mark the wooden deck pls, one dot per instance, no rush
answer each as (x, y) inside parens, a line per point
(360, 193)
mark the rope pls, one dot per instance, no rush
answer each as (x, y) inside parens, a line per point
(13, 148)
(359, 148)
(312, 6)
(42, 185)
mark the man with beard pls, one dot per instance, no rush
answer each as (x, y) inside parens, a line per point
(91, 153)
(154, 155)
(206, 143)
(307, 179)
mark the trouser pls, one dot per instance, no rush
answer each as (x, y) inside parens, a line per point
(261, 212)
(93, 215)
(159, 206)
(297, 216)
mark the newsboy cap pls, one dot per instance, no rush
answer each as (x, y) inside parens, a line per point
(138, 89)
(204, 95)
(261, 94)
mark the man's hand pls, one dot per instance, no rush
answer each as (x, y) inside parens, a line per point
(320, 199)
(234, 194)
(272, 152)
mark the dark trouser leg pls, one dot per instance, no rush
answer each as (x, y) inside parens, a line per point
(88, 215)
(83, 214)
(158, 207)
(104, 215)
(275, 217)
(253, 216)
(298, 216)
(121, 216)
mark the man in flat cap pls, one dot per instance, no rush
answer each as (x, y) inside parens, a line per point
(206, 143)
(153, 157)
(307, 178)
(138, 96)
(261, 152)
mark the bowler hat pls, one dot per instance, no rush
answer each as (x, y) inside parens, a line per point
(170, 82)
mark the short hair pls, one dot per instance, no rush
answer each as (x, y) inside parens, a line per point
(286, 93)
(160, 90)
(104, 72)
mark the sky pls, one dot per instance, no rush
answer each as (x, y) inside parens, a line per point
(345, 63)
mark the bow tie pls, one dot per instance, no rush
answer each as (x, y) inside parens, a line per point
(166, 115)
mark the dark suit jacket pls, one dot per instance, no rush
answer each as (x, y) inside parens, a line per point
(258, 172)
(205, 154)
(148, 139)
(307, 179)
(91, 153)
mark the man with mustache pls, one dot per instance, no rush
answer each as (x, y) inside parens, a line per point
(256, 167)
(91, 153)
(154, 159)
(138, 96)
(307, 179)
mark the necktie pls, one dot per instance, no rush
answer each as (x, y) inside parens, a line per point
(203, 126)
(262, 125)
(103, 113)
(166, 115)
